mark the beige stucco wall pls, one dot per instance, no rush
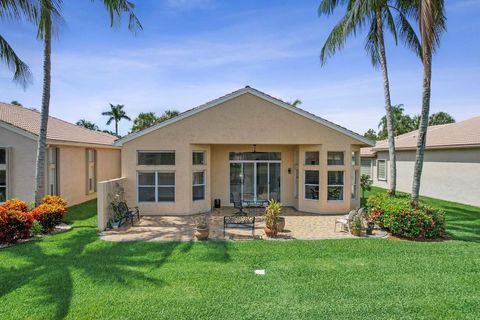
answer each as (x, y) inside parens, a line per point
(236, 125)
(73, 171)
(72, 167)
(22, 164)
(452, 174)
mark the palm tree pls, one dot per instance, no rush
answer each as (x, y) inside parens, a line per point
(430, 15)
(440, 118)
(296, 102)
(168, 114)
(402, 123)
(144, 120)
(15, 10)
(46, 12)
(16, 103)
(377, 15)
(116, 114)
(87, 124)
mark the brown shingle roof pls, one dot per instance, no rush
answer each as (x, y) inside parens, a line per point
(460, 134)
(29, 121)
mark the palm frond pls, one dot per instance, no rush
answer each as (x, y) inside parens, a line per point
(408, 34)
(327, 7)
(21, 72)
(371, 44)
(117, 7)
(390, 21)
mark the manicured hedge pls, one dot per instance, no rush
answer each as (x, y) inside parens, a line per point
(397, 216)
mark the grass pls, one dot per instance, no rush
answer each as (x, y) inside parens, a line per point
(75, 275)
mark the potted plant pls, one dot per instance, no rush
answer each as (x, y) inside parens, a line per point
(370, 226)
(271, 217)
(356, 226)
(202, 230)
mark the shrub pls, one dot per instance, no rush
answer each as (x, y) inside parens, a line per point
(396, 215)
(14, 225)
(36, 229)
(16, 205)
(54, 200)
(49, 215)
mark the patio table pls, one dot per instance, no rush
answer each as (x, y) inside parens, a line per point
(239, 222)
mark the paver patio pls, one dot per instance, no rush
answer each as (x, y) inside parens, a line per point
(298, 225)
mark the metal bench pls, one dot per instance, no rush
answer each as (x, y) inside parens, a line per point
(124, 213)
(237, 221)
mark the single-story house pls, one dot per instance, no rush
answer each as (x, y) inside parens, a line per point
(244, 146)
(451, 168)
(76, 157)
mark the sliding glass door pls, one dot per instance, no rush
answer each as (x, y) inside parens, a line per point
(254, 181)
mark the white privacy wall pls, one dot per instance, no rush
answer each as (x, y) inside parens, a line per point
(107, 192)
(452, 174)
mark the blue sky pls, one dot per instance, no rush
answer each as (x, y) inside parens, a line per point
(192, 51)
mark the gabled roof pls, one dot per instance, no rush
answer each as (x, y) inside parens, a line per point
(27, 122)
(463, 134)
(361, 139)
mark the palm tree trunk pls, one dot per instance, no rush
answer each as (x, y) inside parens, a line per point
(42, 136)
(116, 127)
(392, 185)
(422, 131)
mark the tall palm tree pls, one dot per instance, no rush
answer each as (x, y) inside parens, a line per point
(116, 113)
(15, 10)
(46, 12)
(377, 15)
(430, 15)
(144, 120)
(87, 124)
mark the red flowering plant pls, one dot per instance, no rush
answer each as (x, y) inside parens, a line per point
(49, 215)
(54, 200)
(15, 204)
(14, 225)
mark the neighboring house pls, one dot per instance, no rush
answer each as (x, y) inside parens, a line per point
(245, 145)
(76, 157)
(451, 169)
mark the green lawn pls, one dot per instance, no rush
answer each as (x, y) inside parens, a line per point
(77, 276)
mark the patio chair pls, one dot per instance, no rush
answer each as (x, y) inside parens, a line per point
(238, 204)
(346, 220)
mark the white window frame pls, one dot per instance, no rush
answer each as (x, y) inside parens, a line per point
(204, 184)
(156, 151)
(204, 157)
(333, 151)
(4, 167)
(52, 167)
(91, 174)
(157, 186)
(356, 177)
(337, 185)
(378, 169)
(310, 184)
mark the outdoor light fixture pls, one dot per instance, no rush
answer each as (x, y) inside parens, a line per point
(254, 147)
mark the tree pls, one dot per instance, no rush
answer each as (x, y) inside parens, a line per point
(46, 12)
(402, 123)
(116, 114)
(144, 120)
(431, 19)
(440, 118)
(296, 102)
(168, 114)
(16, 103)
(87, 124)
(15, 10)
(377, 15)
(371, 134)
(365, 185)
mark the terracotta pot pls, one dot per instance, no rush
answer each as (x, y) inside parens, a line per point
(356, 232)
(280, 224)
(271, 233)
(202, 234)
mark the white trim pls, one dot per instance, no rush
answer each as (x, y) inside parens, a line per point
(386, 174)
(236, 94)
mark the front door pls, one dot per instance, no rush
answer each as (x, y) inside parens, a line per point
(255, 180)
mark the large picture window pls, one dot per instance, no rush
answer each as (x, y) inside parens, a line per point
(156, 158)
(382, 170)
(156, 186)
(198, 185)
(312, 184)
(335, 158)
(335, 185)
(3, 175)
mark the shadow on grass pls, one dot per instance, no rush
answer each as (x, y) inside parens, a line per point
(47, 265)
